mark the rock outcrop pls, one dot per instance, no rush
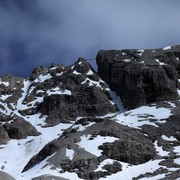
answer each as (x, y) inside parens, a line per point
(82, 94)
(141, 76)
(18, 128)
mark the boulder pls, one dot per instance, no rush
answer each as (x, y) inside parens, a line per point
(18, 128)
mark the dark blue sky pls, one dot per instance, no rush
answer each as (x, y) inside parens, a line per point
(39, 32)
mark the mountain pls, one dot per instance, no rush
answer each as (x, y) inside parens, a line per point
(122, 122)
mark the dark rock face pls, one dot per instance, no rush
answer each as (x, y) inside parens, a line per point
(141, 77)
(19, 129)
(87, 101)
(127, 151)
(3, 136)
(86, 95)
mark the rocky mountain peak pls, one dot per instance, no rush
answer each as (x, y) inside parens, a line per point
(70, 123)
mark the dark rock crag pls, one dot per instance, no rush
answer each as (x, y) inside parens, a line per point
(87, 96)
(141, 76)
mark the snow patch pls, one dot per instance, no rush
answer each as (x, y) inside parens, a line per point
(39, 91)
(160, 150)
(177, 150)
(126, 60)
(167, 48)
(178, 91)
(91, 145)
(70, 153)
(76, 73)
(171, 138)
(90, 72)
(177, 161)
(140, 52)
(42, 78)
(92, 83)
(161, 63)
(57, 90)
(116, 100)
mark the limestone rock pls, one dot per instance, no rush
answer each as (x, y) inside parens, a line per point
(3, 136)
(86, 96)
(18, 128)
(141, 76)
(38, 71)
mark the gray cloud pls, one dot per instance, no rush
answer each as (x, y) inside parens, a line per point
(38, 32)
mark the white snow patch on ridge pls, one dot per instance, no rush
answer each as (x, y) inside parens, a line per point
(42, 78)
(167, 48)
(90, 72)
(171, 138)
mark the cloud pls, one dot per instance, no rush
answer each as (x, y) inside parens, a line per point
(39, 32)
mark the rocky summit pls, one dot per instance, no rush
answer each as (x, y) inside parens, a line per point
(70, 123)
